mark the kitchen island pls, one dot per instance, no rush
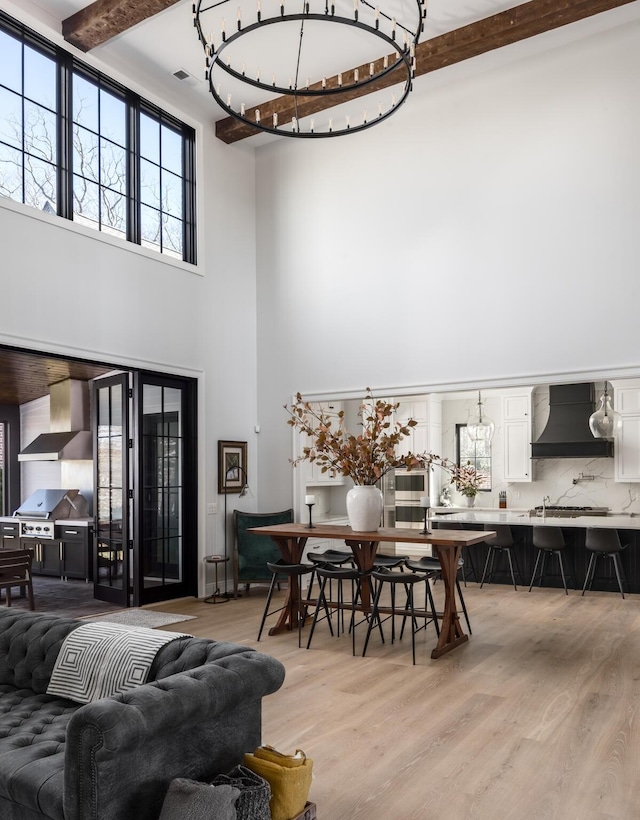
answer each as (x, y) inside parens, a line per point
(574, 531)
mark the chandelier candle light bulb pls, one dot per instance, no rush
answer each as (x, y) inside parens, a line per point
(234, 48)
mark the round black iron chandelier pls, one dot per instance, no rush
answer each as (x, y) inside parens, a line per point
(298, 50)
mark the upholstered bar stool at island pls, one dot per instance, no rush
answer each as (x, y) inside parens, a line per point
(604, 543)
(294, 573)
(549, 541)
(501, 543)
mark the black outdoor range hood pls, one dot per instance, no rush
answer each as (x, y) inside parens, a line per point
(567, 434)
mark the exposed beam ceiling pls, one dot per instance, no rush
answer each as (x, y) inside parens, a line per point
(105, 19)
(493, 32)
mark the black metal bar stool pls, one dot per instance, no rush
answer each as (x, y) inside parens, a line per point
(327, 572)
(294, 573)
(549, 541)
(502, 543)
(337, 558)
(408, 580)
(604, 543)
(432, 565)
(382, 561)
(334, 558)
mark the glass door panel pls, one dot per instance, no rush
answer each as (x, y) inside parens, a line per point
(111, 539)
(166, 468)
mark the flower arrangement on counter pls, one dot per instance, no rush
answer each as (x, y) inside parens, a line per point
(466, 478)
(365, 457)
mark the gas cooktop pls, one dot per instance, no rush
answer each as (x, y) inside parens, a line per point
(569, 512)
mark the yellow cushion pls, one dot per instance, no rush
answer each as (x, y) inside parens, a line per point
(289, 777)
(290, 761)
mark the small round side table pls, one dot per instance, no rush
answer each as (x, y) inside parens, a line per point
(217, 597)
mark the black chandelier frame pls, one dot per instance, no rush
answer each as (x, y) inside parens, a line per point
(405, 59)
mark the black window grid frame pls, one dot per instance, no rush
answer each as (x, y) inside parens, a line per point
(67, 66)
(459, 428)
(40, 44)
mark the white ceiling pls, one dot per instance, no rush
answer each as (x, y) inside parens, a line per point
(161, 45)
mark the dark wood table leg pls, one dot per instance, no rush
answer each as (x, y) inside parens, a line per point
(291, 550)
(451, 634)
(363, 553)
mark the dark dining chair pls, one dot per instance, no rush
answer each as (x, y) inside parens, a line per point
(251, 550)
(15, 571)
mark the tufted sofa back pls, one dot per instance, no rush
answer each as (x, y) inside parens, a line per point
(29, 646)
(30, 642)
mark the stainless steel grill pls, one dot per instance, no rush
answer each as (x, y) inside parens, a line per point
(39, 511)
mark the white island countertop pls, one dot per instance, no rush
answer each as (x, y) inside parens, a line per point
(622, 521)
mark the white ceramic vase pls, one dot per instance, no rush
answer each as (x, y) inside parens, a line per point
(364, 508)
(471, 500)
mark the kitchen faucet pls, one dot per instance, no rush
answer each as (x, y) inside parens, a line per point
(545, 501)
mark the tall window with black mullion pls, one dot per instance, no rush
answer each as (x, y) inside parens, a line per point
(476, 453)
(28, 122)
(124, 166)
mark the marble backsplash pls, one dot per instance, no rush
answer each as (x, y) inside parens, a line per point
(580, 482)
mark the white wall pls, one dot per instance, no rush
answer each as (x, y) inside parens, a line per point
(104, 300)
(486, 232)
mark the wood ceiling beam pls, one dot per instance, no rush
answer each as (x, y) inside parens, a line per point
(505, 28)
(105, 19)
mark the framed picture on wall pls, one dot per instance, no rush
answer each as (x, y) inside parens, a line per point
(232, 466)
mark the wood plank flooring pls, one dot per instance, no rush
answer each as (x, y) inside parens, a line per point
(537, 717)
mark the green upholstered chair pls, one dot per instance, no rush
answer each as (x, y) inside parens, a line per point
(252, 552)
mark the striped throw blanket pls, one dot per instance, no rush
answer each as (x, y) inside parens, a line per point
(99, 660)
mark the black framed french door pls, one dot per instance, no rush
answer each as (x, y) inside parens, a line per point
(111, 540)
(164, 498)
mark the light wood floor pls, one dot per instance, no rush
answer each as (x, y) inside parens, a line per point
(537, 717)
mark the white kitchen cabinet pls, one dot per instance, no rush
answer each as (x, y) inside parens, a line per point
(626, 400)
(418, 439)
(516, 426)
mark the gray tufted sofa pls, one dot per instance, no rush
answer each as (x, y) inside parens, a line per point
(113, 759)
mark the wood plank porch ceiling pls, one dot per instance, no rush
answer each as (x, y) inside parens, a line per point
(104, 19)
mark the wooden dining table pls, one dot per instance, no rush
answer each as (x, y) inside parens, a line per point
(291, 540)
